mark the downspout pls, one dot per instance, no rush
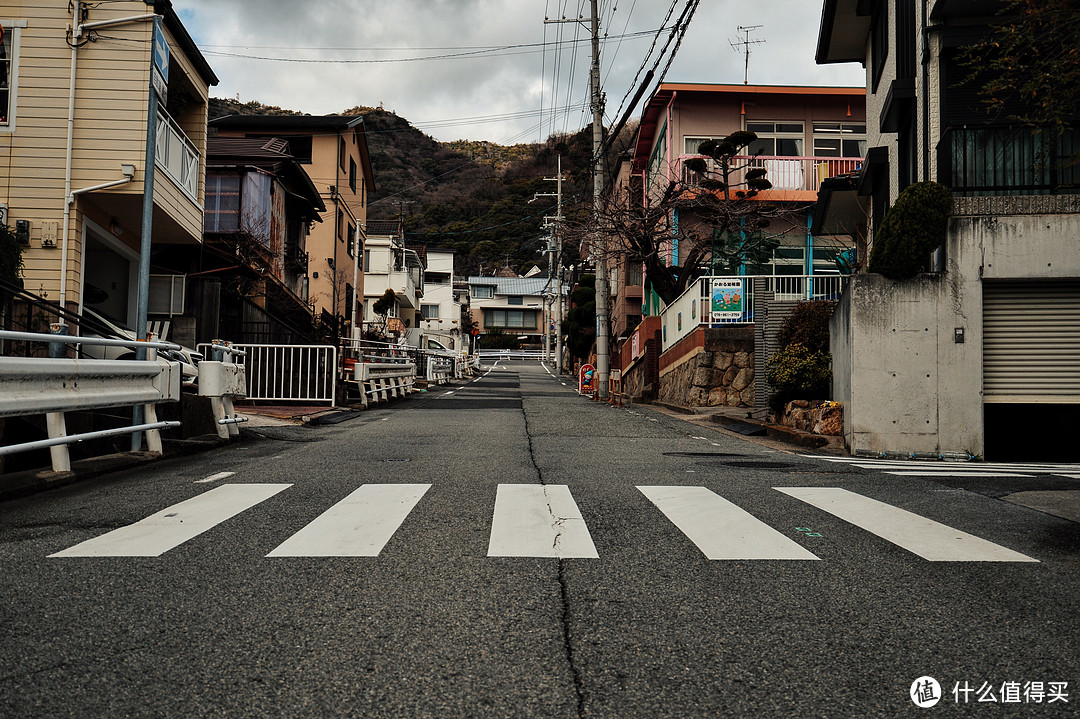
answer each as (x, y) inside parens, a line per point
(77, 29)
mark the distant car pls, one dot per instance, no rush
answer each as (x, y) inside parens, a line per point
(188, 358)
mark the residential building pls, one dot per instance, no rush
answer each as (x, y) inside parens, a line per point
(804, 134)
(74, 111)
(440, 309)
(388, 264)
(334, 151)
(511, 306)
(251, 283)
(977, 355)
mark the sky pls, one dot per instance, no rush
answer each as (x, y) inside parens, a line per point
(492, 69)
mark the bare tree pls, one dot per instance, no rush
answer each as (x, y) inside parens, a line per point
(713, 214)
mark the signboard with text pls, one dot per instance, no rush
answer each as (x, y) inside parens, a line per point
(587, 379)
(728, 299)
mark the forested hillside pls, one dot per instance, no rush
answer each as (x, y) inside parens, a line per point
(470, 196)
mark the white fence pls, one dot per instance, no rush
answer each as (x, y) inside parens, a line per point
(717, 301)
(289, 373)
(512, 355)
(176, 155)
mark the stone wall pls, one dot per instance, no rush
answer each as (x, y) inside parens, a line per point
(825, 418)
(721, 374)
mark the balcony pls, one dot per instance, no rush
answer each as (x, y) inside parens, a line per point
(176, 155)
(800, 174)
(1008, 160)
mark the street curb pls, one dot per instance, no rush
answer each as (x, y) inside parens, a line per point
(35, 481)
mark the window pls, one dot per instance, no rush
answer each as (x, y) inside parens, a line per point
(835, 139)
(515, 300)
(300, 148)
(222, 213)
(879, 43)
(483, 292)
(343, 153)
(367, 261)
(9, 67)
(350, 240)
(692, 143)
(510, 319)
(352, 174)
(166, 294)
(430, 312)
(659, 153)
(776, 139)
(633, 273)
(340, 225)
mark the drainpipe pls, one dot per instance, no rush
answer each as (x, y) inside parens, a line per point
(77, 30)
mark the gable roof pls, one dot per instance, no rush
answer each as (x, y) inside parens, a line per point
(514, 285)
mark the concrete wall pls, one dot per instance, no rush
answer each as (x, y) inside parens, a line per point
(905, 383)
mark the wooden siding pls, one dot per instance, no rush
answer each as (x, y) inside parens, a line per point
(111, 101)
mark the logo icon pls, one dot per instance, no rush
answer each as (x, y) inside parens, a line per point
(925, 692)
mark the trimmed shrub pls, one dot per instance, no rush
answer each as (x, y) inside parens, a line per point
(912, 229)
(808, 325)
(797, 372)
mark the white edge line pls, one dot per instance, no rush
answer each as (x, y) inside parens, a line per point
(215, 477)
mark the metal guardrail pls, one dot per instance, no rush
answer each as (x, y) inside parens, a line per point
(289, 373)
(512, 354)
(381, 381)
(57, 385)
(223, 381)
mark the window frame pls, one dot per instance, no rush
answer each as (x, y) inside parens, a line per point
(13, 39)
(426, 308)
(775, 135)
(488, 294)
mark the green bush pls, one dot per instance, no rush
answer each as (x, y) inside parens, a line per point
(808, 325)
(913, 227)
(798, 372)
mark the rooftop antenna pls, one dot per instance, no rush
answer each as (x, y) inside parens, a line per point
(745, 44)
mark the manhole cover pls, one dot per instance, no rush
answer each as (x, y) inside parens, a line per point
(760, 465)
(702, 454)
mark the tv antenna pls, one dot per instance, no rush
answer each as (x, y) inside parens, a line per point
(744, 45)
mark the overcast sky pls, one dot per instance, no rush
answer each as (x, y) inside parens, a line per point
(489, 69)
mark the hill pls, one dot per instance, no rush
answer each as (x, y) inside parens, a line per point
(469, 196)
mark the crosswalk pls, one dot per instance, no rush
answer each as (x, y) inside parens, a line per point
(544, 521)
(934, 468)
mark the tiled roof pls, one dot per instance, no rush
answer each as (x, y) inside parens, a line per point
(291, 122)
(382, 227)
(514, 285)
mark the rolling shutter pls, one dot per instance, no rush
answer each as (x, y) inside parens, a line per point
(1031, 342)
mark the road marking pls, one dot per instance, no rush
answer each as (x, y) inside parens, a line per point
(171, 527)
(720, 529)
(446, 394)
(706, 439)
(215, 477)
(931, 473)
(358, 526)
(535, 520)
(928, 539)
(944, 466)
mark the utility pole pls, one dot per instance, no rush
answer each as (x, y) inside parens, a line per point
(555, 261)
(599, 258)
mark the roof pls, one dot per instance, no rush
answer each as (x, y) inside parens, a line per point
(843, 32)
(383, 227)
(513, 285)
(288, 122)
(270, 154)
(183, 39)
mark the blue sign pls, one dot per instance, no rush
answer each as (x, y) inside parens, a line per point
(161, 52)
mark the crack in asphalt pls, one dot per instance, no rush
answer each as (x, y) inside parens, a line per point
(564, 594)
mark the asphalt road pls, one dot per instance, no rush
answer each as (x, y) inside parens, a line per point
(467, 608)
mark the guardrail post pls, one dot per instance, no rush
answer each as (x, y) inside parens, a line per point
(58, 350)
(57, 427)
(153, 436)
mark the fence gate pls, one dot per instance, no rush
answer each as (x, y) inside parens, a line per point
(290, 373)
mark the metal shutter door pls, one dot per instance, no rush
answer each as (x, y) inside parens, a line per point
(1031, 342)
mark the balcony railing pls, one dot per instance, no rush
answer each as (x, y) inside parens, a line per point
(176, 155)
(785, 173)
(718, 301)
(983, 161)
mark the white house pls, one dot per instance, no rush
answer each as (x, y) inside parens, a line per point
(388, 264)
(512, 305)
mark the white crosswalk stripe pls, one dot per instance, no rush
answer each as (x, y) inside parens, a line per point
(171, 527)
(934, 468)
(929, 539)
(720, 529)
(358, 526)
(535, 520)
(542, 521)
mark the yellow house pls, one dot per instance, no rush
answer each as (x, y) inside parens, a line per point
(75, 82)
(334, 151)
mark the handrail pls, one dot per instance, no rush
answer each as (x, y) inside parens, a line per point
(79, 340)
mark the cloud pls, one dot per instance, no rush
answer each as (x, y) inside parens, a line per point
(497, 95)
